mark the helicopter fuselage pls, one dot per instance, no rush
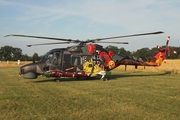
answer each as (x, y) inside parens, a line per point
(84, 60)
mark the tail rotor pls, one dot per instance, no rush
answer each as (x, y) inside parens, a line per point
(167, 50)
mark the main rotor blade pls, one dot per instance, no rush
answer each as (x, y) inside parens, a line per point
(48, 44)
(115, 42)
(98, 39)
(50, 38)
(87, 41)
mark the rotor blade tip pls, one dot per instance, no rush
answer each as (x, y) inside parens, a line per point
(160, 32)
(7, 35)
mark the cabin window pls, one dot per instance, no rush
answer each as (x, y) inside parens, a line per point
(75, 60)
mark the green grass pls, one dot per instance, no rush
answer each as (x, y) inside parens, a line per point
(128, 95)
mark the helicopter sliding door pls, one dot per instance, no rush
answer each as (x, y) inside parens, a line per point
(66, 65)
(72, 63)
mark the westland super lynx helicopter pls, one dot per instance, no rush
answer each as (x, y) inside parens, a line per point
(86, 59)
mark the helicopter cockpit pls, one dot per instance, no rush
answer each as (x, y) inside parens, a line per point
(46, 56)
(52, 57)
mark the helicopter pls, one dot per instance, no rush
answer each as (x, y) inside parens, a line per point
(85, 60)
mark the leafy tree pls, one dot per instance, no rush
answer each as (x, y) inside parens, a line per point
(10, 53)
(25, 58)
(117, 50)
(17, 53)
(1, 55)
(112, 48)
(6, 52)
(123, 52)
(35, 57)
(143, 52)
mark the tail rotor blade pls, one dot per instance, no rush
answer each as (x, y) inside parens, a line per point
(167, 50)
(167, 42)
(175, 52)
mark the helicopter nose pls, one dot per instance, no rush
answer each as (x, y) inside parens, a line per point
(28, 72)
(21, 71)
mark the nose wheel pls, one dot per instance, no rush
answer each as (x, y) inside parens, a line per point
(104, 79)
(103, 75)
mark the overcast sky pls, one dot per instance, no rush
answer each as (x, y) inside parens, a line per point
(89, 19)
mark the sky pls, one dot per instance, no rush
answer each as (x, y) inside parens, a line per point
(89, 19)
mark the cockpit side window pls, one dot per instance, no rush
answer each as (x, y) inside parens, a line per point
(47, 56)
(56, 58)
(52, 57)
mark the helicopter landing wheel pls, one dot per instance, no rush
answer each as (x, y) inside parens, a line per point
(57, 79)
(104, 79)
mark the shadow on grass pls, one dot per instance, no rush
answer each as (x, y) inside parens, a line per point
(64, 79)
(109, 77)
(136, 74)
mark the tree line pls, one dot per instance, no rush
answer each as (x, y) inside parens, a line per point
(13, 54)
(144, 52)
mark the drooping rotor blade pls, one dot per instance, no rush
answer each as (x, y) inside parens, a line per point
(50, 38)
(48, 44)
(115, 42)
(98, 39)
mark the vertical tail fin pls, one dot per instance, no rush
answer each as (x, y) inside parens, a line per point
(160, 57)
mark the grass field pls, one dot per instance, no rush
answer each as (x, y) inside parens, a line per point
(127, 95)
